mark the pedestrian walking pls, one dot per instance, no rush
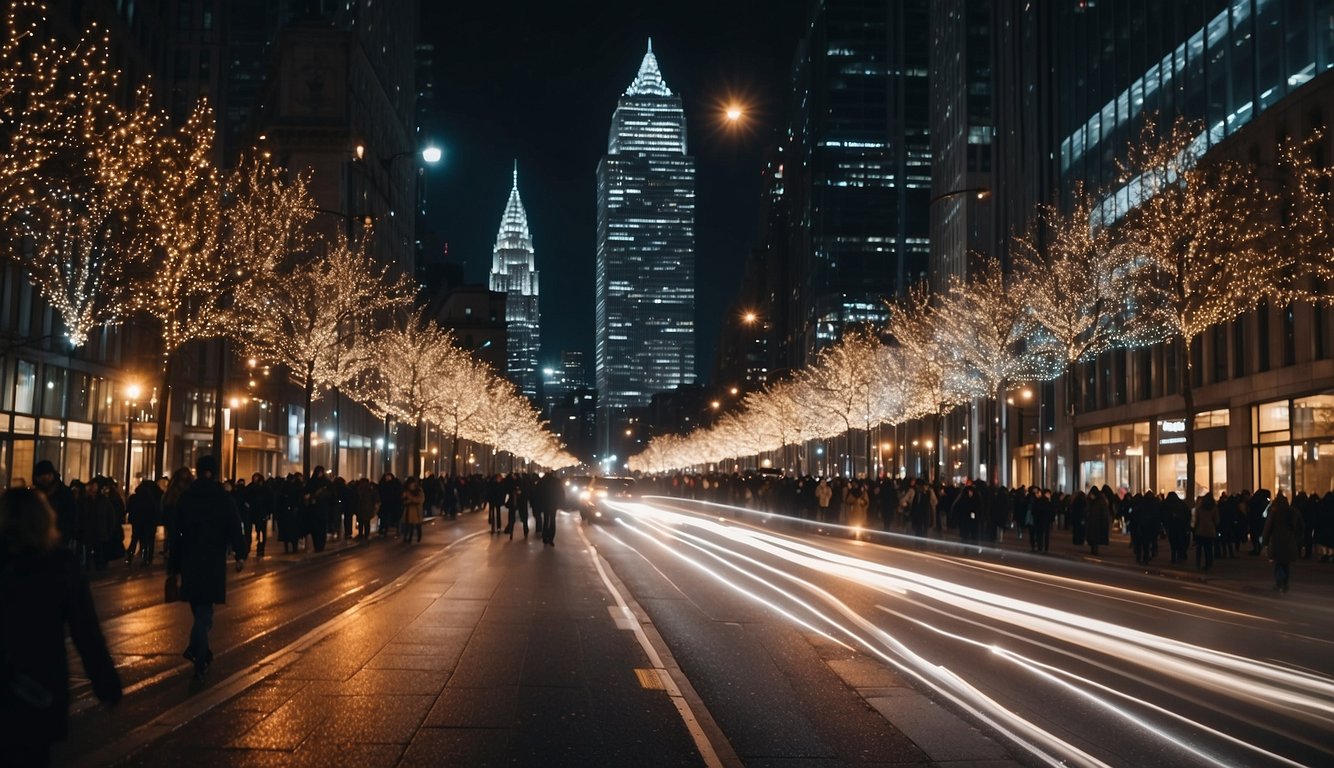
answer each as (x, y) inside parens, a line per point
(259, 499)
(1206, 529)
(1097, 520)
(549, 497)
(60, 497)
(143, 510)
(317, 501)
(1282, 535)
(207, 525)
(42, 596)
(414, 504)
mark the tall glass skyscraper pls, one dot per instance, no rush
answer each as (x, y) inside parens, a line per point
(514, 272)
(645, 281)
(862, 128)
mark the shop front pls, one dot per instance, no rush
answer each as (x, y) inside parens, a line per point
(1293, 444)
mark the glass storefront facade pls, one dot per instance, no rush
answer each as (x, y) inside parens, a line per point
(1294, 444)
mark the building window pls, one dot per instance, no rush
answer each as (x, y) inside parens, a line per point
(25, 386)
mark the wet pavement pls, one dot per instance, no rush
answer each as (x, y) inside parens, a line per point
(474, 649)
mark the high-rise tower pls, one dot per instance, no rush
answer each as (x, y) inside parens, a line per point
(645, 282)
(514, 272)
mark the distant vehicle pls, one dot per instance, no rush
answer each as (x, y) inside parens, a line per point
(574, 485)
(600, 489)
(773, 472)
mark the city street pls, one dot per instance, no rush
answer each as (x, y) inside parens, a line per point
(685, 634)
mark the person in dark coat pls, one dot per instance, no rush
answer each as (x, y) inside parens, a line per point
(317, 503)
(59, 496)
(391, 503)
(143, 510)
(1257, 511)
(259, 499)
(1044, 513)
(1098, 520)
(1206, 530)
(1176, 519)
(180, 482)
(1077, 518)
(1282, 535)
(42, 593)
(1146, 524)
(208, 524)
(548, 497)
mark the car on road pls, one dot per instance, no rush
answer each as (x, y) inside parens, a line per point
(598, 490)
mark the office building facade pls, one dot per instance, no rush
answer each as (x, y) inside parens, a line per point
(1252, 72)
(645, 269)
(862, 138)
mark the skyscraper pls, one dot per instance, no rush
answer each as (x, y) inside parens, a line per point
(861, 119)
(514, 272)
(645, 281)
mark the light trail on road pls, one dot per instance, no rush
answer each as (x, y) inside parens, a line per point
(1135, 682)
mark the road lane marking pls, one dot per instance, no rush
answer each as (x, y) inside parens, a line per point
(701, 739)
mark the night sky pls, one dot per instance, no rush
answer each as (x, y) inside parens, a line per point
(537, 82)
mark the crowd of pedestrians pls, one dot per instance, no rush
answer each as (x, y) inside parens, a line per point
(1228, 526)
(53, 535)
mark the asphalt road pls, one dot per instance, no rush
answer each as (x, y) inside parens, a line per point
(1061, 661)
(790, 644)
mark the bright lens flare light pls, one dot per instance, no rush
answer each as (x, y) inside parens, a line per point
(733, 113)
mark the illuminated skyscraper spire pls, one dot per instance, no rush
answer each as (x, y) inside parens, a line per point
(514, 271)
(649, 81)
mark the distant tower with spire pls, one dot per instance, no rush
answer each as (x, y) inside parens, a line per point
(645, 274)
(514, 272)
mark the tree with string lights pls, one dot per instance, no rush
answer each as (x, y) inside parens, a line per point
(925, 381)
(68, 174)
(414, 356)
(1203, 234)
(315, 318)
(846, 376)
(985, 326)
(1083, 290)
(202, 244)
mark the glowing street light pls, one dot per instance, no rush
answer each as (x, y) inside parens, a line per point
(734, 113)
(432, 154)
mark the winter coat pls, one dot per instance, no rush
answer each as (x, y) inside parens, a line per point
(1206, 519)
(1283, 531)
(855, 504)
(145, 506)
(207, 524)
(1097, 520)
(413, 501)
(549, 495)
(823, 493)
(42, 593)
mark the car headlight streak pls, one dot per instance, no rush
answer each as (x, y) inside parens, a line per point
(1297, 702)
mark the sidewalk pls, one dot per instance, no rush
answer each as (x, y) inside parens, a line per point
(492, 652)
(1243, 572)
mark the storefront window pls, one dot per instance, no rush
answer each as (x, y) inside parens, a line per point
(1210, 419)
(1271, 420)
(1274, 468)
(1115, 456)
(1313, 417)
(53, 398)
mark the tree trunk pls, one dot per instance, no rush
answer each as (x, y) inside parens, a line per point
(1071, 407)
(219, 393)
(309, 422)
(163, 416)
(1188, 399)
(869, 474)
(386, 459)
(417, 446)
(454, 453)
(338, 428)
(997, 425)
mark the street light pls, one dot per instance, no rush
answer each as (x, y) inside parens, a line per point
(978, 193)
(132, 393)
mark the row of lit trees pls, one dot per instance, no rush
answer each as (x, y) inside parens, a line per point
(112, 212)
(1186, 242)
